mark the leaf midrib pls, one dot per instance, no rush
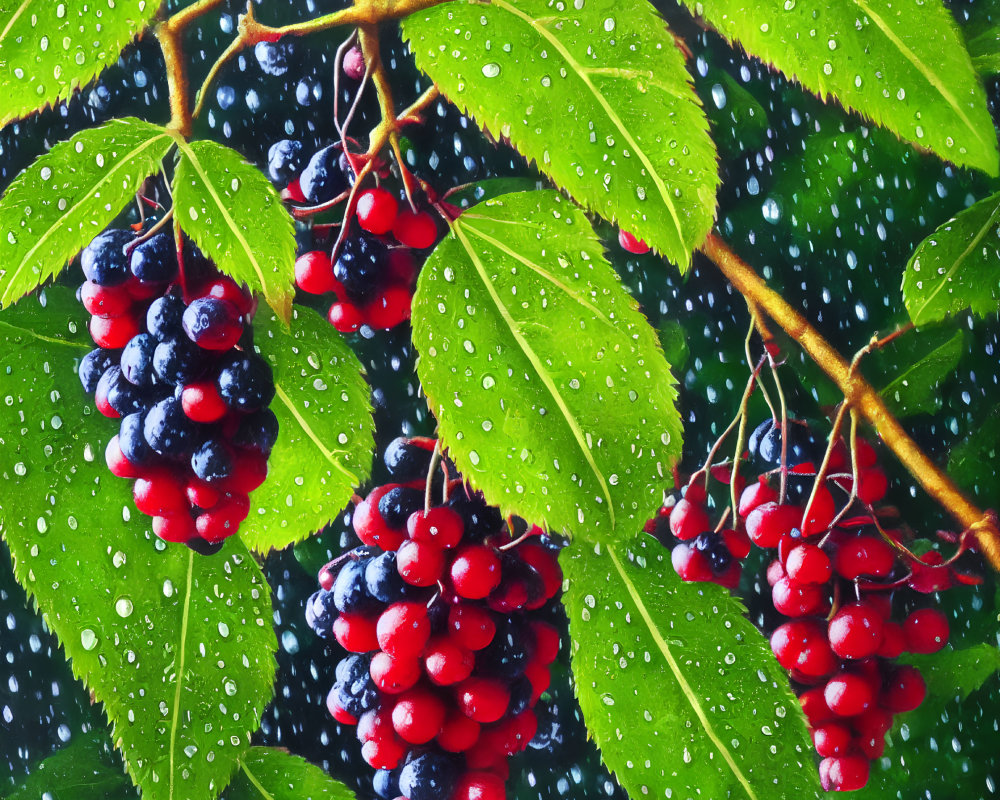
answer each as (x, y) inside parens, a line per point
(943, 280)
(313, 436)
(13, 19)
(131, 157)
(935, 355)
(256, 783)
(42, 337)
(922, 68)
(179, 680)
(606, 106)
(688, 691)
(536, 362)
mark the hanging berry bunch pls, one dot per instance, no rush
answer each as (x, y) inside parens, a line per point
(842, 578)
(179, 371)
(443, 609)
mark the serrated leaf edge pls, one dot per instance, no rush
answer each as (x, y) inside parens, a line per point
(281, 304)
(689, 693)
(929, 76)
(602, 101)
(917, 308)
(536, 362)
(5, 299)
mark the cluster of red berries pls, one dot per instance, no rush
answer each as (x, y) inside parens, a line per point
(443, 610)
(834, 574)
(181, 375)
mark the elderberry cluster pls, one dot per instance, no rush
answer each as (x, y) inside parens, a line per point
(441, 610)
(373, 274)
(836, 574)
(181, 375)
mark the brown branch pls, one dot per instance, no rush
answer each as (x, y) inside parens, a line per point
(860, 396)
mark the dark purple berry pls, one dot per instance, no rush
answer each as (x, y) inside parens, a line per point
(104, 261)
(155, 260)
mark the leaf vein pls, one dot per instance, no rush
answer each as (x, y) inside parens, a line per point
(536, 362)
(179, 679)
(689, 693)
(327, 453)
(257, 784)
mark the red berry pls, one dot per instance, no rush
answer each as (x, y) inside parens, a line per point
(376, 724)
(337, 712)
(767, 523)
(690, 564)
(904, 689)
(844, 773)
(249, 472)
(420, 563)
(117, 463)
(872, 485)
(376, 210)
(775, 572)
(471, 626)
(202, 403)
(483, 699)
(447, 662)
(369, 525)
(814, 706)
(354, 64)
(856, 631)
(688, 519)
(224, 518)
(175, 528)
(756, 494)
(546, 641)
(458, 732)
(356, 633)
(403, 629)
(802, 645)
(384, 753)
(479, 785)
(417, 230)
(388, 308)
(105, 301)
(440, 525)
(848, 694)
(394, 675)
(926, 631)
(475, 571)
(807, 563)
(418, 715)
(871, 728)
(225, 288)
(831, 739)
(631, 244)
(539, 676)
(793, 599)
(737, 542)
(345, 317)
(159, 493)
(314, 273)
(821, 513)
(544, 562)
(293, 192)
(864, 555)
(113, 332)
(893, 642)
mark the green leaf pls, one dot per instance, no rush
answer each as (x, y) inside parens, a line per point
(549, 387)
(48, 49)
(956, 673)
(957, 266)
(673, 340)
(55, 207)
(595, 93)
(677, 687)
(901, 64)
(267, 773)
(325, 433)
(912, 369)
(178, 647)
(972, 462)
(489, 188)
(984, 47)
(82, 770)
(234, 215)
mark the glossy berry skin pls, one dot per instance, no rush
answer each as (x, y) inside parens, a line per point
(106, 301)
(807, 563)
(479, 785)
(376, 210)
(856, 631)
(864, 556)
(155, 260)
(688, 519)
(354, 64)
(394, 675)
(94, 365)
(767, 523)
(427, 777)
(113, 332)
(345, 317)
(137, 360)
(926, 631)
(322, 178)
(447, 662)
(904, 689)
(360, 267)
(245, 382)
(314, 273)
(420, 563)
(202, 403)
(475, 571)
(848, 694)
(631, 244)
(389, 307)
(212, 324)
(285, 159)
(168, 430)
(212, 461)
(178, 360)
(104, 261)
(802, 645)
(415, 230)
(440, 525)
(356, 633)
(793, 599)
(163, 318)
(482, 699)
(403, 629)
(471, 626)
(418, 715)
(844, 773)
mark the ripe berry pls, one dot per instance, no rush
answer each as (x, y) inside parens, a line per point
(420, 563)
(831, 739)
(793, 599)
(345, 317)
(864, 555)
(314, 273)
(458, 732)
(104, 261)
(807, 563)
(427, 777)
(105, 301)
(926, 631)
(630, 244)
(688, 519)
(415, 230)
(384, 753)
(802, 645)
(113, 332)
(447, 662)
(284, 160)
(767, 523)
(475, 571)
(322, 178)
(356, 633)
(376, 210)
(394, 675)
(389, 307)
(212, 324)
(245, 382)
(471, 626)
(856, 631)
(155, 260)
(354, 64)
(403, 629)
(848, 694)
(418, 715)
(844, 773)
(483, 699)
(202, 403)
(441, 526)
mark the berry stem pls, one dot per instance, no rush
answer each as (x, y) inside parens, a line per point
(838, 423)
(859, 394)
(429, 482)
(157, 226)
